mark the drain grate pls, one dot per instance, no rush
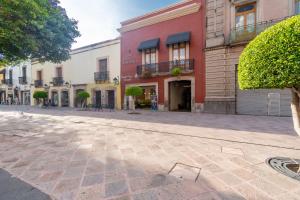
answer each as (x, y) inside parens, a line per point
(287, 166)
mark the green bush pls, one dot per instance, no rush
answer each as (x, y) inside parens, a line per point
(134, 91)
(83, 95)
(40, 95)
(272, 59)
(176, 71)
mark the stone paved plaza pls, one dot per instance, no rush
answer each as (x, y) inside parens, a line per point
(71, 154)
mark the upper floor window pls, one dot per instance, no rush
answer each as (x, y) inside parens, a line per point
(297, 7)
(103, 65)
(179, 51)
(24, 71)
(245, 17)
(150, 56)
(59, 72)
(10, 75)
(39, 75)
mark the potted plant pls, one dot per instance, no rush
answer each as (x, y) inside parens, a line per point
(134, 92)
(82, 97)
(176, 71)
(40, 95)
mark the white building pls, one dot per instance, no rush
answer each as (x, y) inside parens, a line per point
(15, 84)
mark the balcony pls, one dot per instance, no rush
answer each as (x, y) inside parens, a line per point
(101, 76)
(244, 34)
(58, 81)
(164, 68)
(22, 80)
(9, 82)
(38, 83)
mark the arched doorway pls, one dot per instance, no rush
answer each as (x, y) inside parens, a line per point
(65, 98)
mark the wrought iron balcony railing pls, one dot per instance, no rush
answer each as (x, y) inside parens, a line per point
(101, 76)
(38, 83)
(164, 68)
(58, 81)
(23, 80)
(9, 82)
(247, 33)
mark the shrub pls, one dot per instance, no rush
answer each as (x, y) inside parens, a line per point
(272, 60)
(40, 95)
(176, 71)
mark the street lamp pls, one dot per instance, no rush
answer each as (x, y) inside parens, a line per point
(116, 80)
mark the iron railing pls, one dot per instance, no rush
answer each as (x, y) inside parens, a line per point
(58, 81)
(101, 76)
(38, 83)
(246, 33)
(165, 68)
(23, 80)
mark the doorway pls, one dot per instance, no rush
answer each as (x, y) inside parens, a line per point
(111, 99)
(54, 98)
(180, 96)
(98, 99)
(65, 99)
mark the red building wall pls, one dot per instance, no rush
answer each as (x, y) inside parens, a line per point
(131, 57)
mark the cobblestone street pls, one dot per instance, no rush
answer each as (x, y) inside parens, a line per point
(71, 154)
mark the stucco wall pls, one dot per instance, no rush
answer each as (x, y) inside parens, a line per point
(194, 23)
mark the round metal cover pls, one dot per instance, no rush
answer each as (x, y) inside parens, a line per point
(287, 166)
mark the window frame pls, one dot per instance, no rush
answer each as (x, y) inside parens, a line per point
(100, 66)
(39, 75)
(245, 13)
(150, 53)
(178, 48)
(57, 71)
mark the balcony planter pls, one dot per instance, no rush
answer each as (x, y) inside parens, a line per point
(176, 71)
(147, 74)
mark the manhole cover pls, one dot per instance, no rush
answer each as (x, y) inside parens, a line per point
(287, 166)
(185, 172)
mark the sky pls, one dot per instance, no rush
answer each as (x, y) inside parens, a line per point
(98, 20)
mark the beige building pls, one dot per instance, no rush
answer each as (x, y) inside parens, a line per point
(94, 68)
(231, 24)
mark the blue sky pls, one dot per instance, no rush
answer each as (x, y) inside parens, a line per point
(99, 19)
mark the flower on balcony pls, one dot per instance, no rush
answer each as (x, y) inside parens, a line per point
(176, 71)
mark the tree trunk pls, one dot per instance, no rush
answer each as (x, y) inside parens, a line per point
(296, 111)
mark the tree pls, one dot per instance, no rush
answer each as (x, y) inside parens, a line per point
(35, 29)
(134, 92)
(272, 60)
(83, 96)
(40, 95)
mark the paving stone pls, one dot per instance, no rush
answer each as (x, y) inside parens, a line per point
(116, 188)
(92, 180)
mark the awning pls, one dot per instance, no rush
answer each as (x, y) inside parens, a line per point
(149, 44)
(179, 38)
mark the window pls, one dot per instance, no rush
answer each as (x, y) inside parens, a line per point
(39, 75)
(10, 74)
(245, 17)
(297, 7)
(103, 65)
(59, 71)
(179, 51)
(24, 71)
(150, 56)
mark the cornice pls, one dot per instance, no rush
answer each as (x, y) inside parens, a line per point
(173, 14)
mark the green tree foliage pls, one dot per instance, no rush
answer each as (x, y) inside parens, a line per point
(35, 29)
(83, 96)
(40, 95)
(272, 59)
(134, 91)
